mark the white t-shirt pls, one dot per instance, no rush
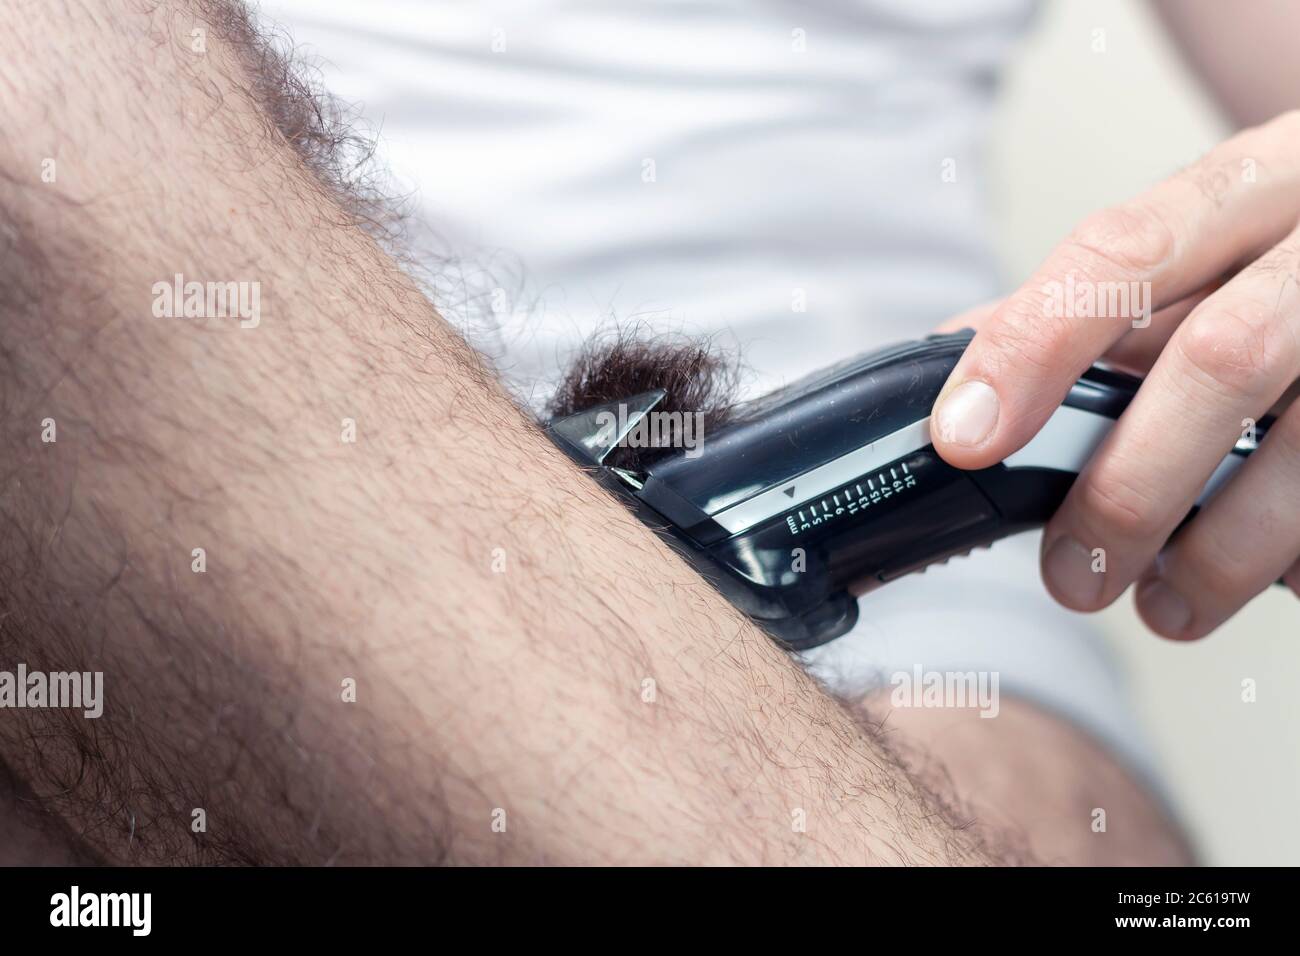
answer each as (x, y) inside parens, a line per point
(804, 178)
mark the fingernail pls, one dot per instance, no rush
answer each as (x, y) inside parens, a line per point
(967, 415)
(1068, 568)
(1164, 608)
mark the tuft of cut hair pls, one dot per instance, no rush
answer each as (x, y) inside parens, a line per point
(697, 376)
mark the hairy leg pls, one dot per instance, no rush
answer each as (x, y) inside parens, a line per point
(30, 835)
(413, 631)
(1035, 782)
(1025, 779)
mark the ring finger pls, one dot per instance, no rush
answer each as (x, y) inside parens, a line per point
(1242, 541)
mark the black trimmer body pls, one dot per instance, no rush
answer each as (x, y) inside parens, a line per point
(832, 487)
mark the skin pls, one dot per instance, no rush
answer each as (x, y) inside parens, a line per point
(537, 678)
(1218, 243)
(30, 835)
(980, 767)
(1244, 54)
(1217, 355)
(594, 695)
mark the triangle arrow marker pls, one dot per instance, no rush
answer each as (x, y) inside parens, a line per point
(789, 492)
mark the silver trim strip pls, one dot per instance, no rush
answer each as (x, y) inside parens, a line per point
(1070, 437)
(1064, 443)
(824, 479)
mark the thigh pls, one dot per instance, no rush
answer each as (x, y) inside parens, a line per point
(1050, 792)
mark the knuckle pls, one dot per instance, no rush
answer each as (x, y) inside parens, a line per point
(1027, 338)
(1135, 238)
(1216, 174)
(1231, 579)
(1216, 575)
(1115, 504)
(1281, 263)
(1236, 351)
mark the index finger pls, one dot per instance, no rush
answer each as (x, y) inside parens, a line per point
(1107, 278)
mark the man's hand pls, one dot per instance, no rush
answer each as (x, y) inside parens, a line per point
(1140, 284)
